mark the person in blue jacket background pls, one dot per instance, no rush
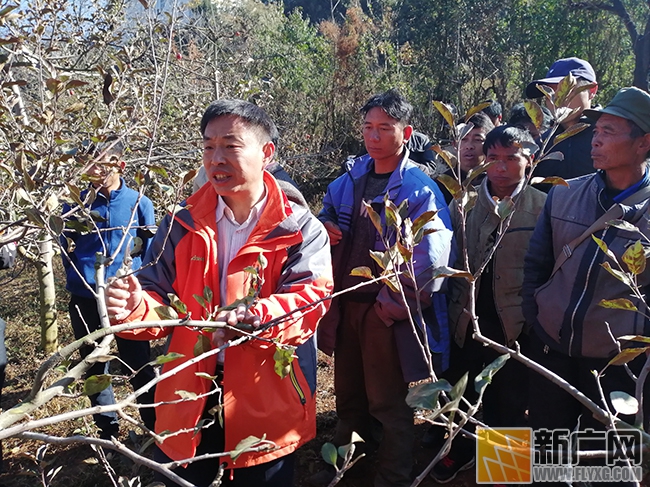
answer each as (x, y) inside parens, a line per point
(113, 211)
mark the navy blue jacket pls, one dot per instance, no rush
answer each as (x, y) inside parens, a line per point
(116, 211)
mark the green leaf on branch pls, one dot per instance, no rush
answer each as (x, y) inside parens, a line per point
(176, 303)
(475, 109)
(190, 396)
(635, 338)
(476, 172)
(96, 384)
(464, 129)
(189, 176)
(161, 171)
(374, 218)
(56, 224)
(166, 313)
(634, 258)
(283, 356)
(201, 300)
(244, 445)
(451, 184)
(329, 453)
(444, 271)
(559, 156)
(627, 355)
(620, 303)
(345, 451)
(623, 225)
(485, 377)
(469, 200)
(170, 357)
(504, 208)
(450, 159)
(621, 276)
(423, 219)
(202, 345)
(403, 209)
(404, 252)
(362, 271)
(604, 248)
(573, 130)
(203, 375)
(624, 403)
(554, 180)
(564, 87)
(392, 213)
(535, 113)
(381, 258)
(425, 396)
(459, 389)
(446, 111)
(207, 294)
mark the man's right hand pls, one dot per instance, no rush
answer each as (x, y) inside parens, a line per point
(123, 295)
(334, 232)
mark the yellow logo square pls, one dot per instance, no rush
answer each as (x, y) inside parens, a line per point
(504, 456)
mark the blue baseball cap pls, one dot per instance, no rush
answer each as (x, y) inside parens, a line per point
(561, 68)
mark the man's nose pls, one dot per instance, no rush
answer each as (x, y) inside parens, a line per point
(216, 157)
(373, 134)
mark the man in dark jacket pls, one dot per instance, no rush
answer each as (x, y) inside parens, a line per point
(576, 148)
(572, 333)
(114, 203)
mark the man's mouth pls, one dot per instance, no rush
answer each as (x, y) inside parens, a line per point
(220, 177)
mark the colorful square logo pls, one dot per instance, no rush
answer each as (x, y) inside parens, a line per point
(504, 456)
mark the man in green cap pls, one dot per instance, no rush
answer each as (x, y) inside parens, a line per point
(566, 274)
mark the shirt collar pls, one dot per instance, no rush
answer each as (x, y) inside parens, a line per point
(517, 190)
(223, 210)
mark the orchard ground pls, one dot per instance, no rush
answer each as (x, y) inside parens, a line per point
(83, 467)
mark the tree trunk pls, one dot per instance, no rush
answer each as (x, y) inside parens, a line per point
(47, 295)
(642, 58)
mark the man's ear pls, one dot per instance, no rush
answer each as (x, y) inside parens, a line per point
(122, 165)
(592, 92)
(269, 151)
(408, 131)
(644, 146)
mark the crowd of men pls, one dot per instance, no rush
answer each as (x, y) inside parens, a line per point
(540, 288)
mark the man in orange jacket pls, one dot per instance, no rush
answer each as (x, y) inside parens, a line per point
(212, 242)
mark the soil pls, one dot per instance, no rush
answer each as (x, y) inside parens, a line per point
(28, 463)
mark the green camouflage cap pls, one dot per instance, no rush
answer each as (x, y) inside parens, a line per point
(629, 103)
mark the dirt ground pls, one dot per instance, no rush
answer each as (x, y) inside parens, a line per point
(80, 466)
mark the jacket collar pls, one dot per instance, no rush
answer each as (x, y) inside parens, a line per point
(276, 219)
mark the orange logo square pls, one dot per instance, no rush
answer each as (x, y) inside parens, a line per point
(504, 456)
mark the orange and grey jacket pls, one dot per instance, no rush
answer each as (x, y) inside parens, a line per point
(256, 400)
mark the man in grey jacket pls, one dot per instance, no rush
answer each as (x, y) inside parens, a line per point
(572, 333)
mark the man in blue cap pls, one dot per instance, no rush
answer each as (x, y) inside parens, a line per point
(577, 161)
(566, 274)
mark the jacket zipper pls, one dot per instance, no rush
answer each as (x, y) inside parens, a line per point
(296, 385)
(584, 291)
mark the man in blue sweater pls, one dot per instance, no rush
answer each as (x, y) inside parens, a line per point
(118, 208)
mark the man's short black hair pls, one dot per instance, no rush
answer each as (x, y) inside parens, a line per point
(481, 121)
(393, 103)
(493, 110)
(112, 145)
(507, 136)
(519, 116)
(253, 115)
